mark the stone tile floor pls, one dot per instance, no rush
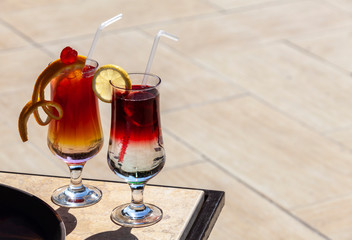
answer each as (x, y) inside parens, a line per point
(256, 101)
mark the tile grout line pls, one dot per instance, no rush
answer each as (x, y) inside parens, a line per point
(336, 7)
(247, 185)
(325, 201)
(204, 103)
(87, 36)
(218, 11)
(258, 6)
(45, 154)
(195, 162)
(304, 51)
(327, 138)
(178, 19)
(214, 5)
(322, 133)
(338, 129)
(24, 37)
(126, 29)
(247, 8)
(268, 199)
(84, 36)
(304, 125)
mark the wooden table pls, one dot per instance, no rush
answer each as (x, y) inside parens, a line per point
(188, 213)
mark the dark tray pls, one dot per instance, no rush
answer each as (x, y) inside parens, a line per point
(25, 216)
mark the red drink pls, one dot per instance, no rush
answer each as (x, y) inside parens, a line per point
(77, 136)
(136, 150)
(136, 115)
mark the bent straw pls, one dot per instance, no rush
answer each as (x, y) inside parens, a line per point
(100, 28)
(152, 53)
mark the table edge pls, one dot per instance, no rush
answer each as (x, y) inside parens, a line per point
(214, 201)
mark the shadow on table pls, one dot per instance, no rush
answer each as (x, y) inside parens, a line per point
(121, 233)
(69, 220)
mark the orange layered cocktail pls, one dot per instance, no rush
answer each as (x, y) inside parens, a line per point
(77, 136)
(75, 133)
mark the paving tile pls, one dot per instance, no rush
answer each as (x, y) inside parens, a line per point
(216, 39)
(310, 91)
(344, 5)
(276, 155)
(20, 68)
(7, 6)
(332, 217)
(79, 18)
(245, 214)
(24, 157)
(331, 46)
(6, 34)
(11, 103)
(292, 19)
(229, 4)
(342, 136)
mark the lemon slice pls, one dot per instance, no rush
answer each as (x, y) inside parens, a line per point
(105, 74)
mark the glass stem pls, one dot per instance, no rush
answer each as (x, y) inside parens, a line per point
(76, 184)
(137, 197)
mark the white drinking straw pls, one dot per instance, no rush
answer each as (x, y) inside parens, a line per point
(152, 53)
(100, 28)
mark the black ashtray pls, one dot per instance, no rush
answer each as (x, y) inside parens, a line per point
(25, 216)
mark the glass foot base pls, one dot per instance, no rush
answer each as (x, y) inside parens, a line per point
(66, 197)
(125, 216)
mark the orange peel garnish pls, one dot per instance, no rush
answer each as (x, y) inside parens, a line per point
(28, 109)
(54, 70)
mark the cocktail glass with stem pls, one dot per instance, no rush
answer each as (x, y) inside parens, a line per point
(77, 136)
(136, 152)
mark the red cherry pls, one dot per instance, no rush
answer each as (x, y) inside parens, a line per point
(68, 55)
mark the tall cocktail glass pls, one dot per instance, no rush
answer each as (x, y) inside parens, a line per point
(77, 136)
(136, 152)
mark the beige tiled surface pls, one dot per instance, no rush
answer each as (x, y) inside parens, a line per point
(269, 149)
(88, 15)
(229, 4)
(297, 85)
(344, 5)
(342, 136)
(7, 33)
(255, 101)
(328, 215)
(338, 57)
